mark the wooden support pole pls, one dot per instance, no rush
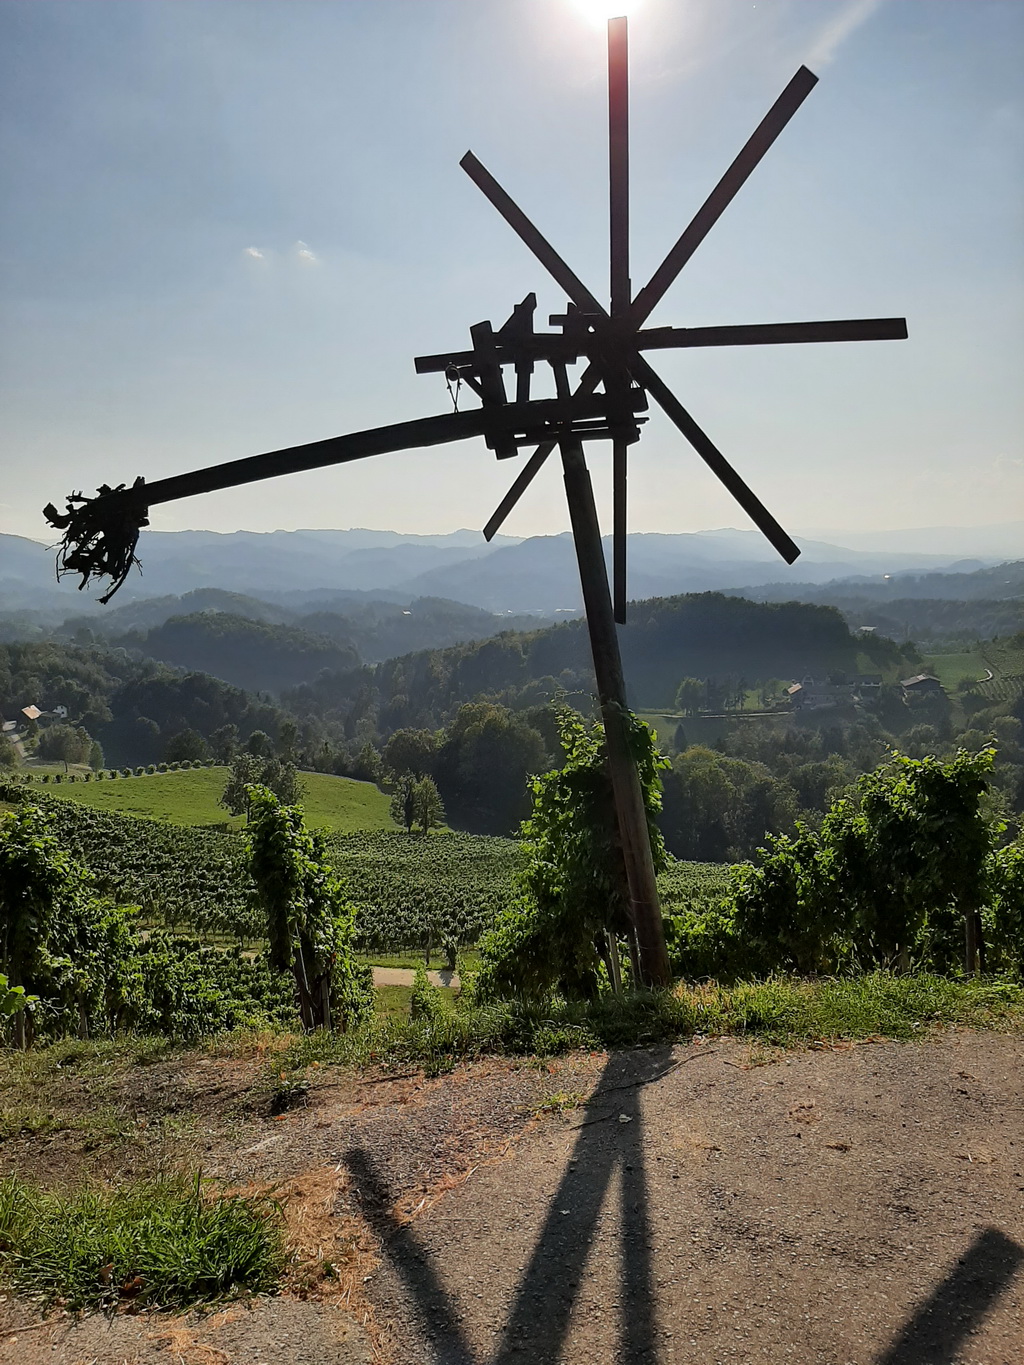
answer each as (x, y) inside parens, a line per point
(611, 690)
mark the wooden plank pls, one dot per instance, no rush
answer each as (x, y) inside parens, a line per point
(619, 531)
(492, 388)
(629, 803)
(359, 445)
(774, 333)
(522, 482)
(618, 164)
(525, 230)
(723, 194)
(554, 346)
(716, 461)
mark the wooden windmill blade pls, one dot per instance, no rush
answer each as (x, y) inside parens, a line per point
(759, 142)
(619, 281)
(716, 461)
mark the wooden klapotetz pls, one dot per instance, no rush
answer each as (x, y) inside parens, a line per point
(606, 403)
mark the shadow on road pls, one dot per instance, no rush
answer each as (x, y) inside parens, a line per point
(610, 1143)
(935, 1333)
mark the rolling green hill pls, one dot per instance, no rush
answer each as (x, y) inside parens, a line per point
(702, 635)
(336, 804)
(257, 655)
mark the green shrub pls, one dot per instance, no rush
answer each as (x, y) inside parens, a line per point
(572, 891)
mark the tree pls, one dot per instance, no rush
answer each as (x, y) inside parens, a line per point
(259, 744)
(224, 743)
(186, 746)
(8, 753)
(65, 744)
(483, 767)
(718, 808)
(288, 740)
(367, 766)
(427, 804)
(247, 770)
(309, 923)
(403, 802)
(690, 696)
(411, 751)
(573, 902)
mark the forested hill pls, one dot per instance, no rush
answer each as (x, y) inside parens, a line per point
(705, 635)
(133, 707)
(256, 655)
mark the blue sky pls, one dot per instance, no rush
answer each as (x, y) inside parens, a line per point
(229, 225)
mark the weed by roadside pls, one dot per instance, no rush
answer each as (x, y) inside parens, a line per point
(561, 1102)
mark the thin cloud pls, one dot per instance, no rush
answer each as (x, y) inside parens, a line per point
(837, 30)
(254, 253)
(305, 255)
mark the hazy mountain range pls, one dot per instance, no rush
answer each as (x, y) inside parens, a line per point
(536, 575)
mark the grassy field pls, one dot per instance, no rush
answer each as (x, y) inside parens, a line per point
(704, 729)
(951, 668)
(337, 804)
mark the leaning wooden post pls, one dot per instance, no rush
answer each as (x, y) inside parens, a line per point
(611, 691)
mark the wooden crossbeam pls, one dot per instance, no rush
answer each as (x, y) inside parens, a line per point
(555, 346)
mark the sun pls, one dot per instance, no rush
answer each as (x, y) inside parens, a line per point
(600, 11)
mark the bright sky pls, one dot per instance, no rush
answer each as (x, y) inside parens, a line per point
(229, 226)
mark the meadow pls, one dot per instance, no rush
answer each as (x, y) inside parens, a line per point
(338, 805)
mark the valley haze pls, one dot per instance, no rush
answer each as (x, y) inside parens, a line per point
(536, 575)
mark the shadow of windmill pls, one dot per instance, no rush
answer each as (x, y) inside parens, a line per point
(538, 1320)
(610, 1147)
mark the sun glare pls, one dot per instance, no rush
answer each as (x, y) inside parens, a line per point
(600, 11)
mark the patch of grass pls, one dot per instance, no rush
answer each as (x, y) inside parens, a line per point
(393, 1003)
(788, 1011)
(781, 1011)
(100, 1124)
(337, 804)
(83, 1057)
(245, 1044)
(28, 1120)
(163, 1243)
(950, 669)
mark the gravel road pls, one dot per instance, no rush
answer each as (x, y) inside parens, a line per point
(706, 1204)
(861, 1207)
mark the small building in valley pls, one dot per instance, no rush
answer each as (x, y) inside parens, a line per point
(921, 684)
